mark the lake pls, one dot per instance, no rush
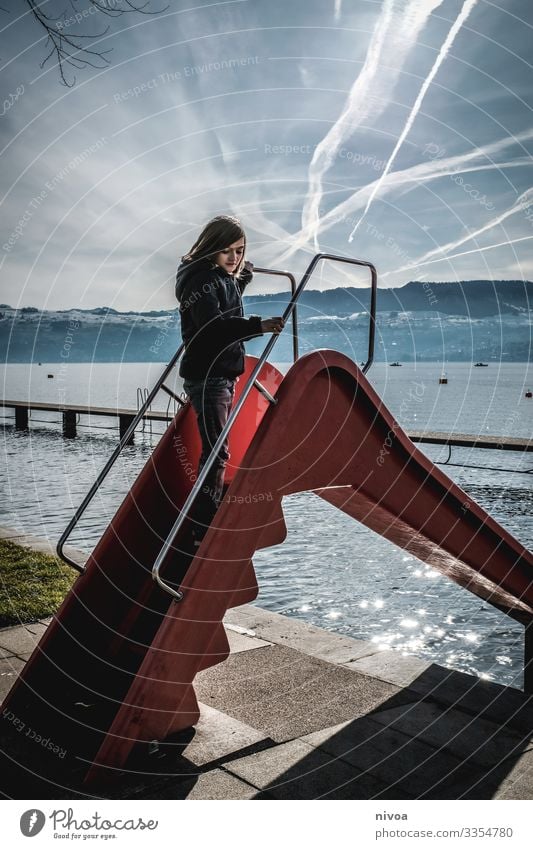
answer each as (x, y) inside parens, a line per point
(330, 571)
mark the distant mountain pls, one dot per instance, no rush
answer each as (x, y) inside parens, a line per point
(475, 298)
(473, 320)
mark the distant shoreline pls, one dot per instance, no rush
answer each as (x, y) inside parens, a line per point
(405, 362)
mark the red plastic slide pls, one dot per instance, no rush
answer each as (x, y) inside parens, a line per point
(122, 647)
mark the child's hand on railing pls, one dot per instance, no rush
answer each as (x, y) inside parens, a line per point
(272, 325)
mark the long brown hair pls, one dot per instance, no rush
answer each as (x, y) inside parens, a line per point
(217, 235)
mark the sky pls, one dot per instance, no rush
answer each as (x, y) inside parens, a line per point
(394, 131)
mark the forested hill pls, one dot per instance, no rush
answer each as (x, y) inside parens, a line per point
(475, 298)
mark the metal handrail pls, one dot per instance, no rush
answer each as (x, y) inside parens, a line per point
(133, 424)
(114, 456)
(177, 594)
(373, 294)
(294, 315)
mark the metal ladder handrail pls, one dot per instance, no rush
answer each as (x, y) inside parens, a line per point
(110, 463)
(135, 421)
(178, 595)
(294, 316)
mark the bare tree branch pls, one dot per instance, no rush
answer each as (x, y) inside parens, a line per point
(71, 49)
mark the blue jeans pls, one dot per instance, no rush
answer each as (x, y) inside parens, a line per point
(211, 399)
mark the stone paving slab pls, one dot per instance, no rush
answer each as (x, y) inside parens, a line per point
(521, 788)
(217, 784)
(216, 736)
(398, 761)
(286, 694)
(391, 666)
(41, 544)
(515, 791)
(241, 642)
(27, 541)
(9, 533)
(503, 705)
(5, 653)
(9, 671)
(22, 639)
(299, 635)
(466, 737)
(518, 783)
(295, 770)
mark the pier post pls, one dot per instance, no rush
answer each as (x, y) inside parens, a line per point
(21, 418)
(124, 423)
(69, 423)
(528, 658)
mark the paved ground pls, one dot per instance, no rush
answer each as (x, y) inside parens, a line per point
(296, 712)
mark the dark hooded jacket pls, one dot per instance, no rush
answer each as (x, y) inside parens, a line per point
(213, 326)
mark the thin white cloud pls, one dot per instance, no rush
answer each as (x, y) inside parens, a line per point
(524, 200)
(474, 251)
(477, 159)
(395, 34)
(467, 7)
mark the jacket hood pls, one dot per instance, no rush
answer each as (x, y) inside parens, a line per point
(189, 268)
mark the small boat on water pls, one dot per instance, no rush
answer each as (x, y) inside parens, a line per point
(481, 365)
(443, 379)
(395, 364)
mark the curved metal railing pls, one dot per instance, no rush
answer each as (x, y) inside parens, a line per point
(177, 594)
(293, 291)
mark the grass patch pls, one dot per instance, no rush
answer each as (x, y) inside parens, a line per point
(32, 584)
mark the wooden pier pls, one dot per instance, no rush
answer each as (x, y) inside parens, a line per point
(470, 440)
(70, 412)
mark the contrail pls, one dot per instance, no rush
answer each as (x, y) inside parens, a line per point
(395, 33)
(473, 251)
(524, 200)
(468, 5)
(476, 159)
(326, 150)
